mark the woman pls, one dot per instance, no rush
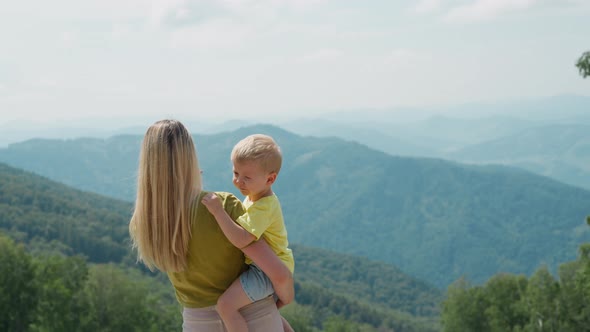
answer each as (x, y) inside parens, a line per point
(173, 232)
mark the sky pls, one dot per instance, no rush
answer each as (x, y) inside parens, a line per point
(100, 61)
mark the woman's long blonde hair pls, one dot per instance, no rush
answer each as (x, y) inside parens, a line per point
(168, 180)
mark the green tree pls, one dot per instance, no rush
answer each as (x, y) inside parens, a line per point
(570, 300)
(339, 324)
(60, 280)
(18, 289)
(300, 317)
(504, 293)
(575, 293)
(574, 297)
(464, 307)
(582, 286)
(582, 283)
(542, 301)
(583, 64)
(119, 300)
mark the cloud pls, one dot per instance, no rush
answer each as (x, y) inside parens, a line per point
(212, 34)
(45, 83)
(323, 55)
(75, 9)
(240, 5)
(302, 4)
(160, 10)
(425, 6)
(482, 10)
(402, 56)
(396, 60)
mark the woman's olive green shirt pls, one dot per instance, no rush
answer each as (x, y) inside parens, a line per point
(213, 262)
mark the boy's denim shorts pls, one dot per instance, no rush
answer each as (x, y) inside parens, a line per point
(255, 283)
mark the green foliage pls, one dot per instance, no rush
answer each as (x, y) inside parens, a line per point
(72, 296)
(513, 303)
(56, 293)
(329, 306)
(52, 216)
(583, 64)
(120, 301)
(60, 280)
(542, 300)
(464, 308)
(301, 318)
(364, 280)
(504, 294)
(18, 287)
(338, 324)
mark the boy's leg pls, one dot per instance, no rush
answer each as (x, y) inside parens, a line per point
(228, 304)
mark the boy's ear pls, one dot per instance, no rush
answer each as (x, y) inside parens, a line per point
(270, 179)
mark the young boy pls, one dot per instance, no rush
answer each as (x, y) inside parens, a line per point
(256, 164)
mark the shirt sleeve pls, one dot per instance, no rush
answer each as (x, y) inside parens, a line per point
(256, 219)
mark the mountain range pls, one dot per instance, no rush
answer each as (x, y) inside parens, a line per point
(482, 133)
(435, 219)
(49, 217)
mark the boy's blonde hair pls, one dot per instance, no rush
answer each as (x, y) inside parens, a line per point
(168, 180)
(261, 149)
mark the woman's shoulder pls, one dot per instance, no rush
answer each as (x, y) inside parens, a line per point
(233, 206)
(225, 196)
(228, 200)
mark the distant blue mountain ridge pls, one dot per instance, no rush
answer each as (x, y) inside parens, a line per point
(435, 219)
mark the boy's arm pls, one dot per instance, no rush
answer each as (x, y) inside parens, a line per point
(259, 251)
(278, 273)
(237, 235)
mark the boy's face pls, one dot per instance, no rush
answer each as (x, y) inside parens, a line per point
(252, 180)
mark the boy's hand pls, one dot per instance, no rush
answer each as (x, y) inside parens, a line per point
(280, 304)
(285, 292)
(213, 203)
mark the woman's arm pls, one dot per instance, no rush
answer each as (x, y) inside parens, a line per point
(274, 268)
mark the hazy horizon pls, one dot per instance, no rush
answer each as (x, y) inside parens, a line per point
(570, 108)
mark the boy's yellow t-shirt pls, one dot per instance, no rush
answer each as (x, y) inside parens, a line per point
(265, 218)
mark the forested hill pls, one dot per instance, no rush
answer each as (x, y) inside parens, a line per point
(105, 166)
(435, 219)
(50, 217)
